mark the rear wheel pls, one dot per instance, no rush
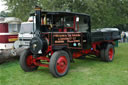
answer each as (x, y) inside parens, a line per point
(107, 54)
(59, 63)
(26, 61)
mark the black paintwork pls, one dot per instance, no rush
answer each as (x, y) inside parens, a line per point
(105, 36)
(87, 36)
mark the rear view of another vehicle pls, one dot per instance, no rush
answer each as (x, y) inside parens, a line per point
(9, 29)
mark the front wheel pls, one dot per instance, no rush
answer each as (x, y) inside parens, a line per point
(26, 61)
(59, 63)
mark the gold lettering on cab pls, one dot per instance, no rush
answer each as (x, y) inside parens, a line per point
(66, 38)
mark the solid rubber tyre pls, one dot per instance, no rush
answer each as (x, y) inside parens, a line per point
(107, 54)
(26, 57)
(102, 54)
(59, 63)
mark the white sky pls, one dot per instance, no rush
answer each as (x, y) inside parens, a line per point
(2, 6)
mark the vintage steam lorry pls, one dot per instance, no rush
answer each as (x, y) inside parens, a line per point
(61, 37)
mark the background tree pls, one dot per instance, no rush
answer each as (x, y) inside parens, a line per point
(3, 14)
(104, 13)
(20, 8)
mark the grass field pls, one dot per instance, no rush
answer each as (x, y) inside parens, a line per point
(83, 72)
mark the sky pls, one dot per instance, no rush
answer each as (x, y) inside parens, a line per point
(2, 6)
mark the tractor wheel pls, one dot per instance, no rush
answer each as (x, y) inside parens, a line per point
(108, 53)
(26, 62)
(59, 63)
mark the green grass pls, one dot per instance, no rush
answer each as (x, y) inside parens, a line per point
(82, 72)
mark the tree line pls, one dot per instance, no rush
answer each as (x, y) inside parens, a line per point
(104, 13)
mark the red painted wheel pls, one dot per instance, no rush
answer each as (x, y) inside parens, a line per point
(26, 61)
(111, 53)
(29, 61)
(108, 53)
(59, 63)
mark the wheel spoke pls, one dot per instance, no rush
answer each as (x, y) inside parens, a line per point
(61, 64)
(30, 61)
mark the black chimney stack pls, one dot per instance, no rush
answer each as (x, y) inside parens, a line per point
(38, 20)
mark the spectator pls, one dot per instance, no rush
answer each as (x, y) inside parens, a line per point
(127, 38)
(124, 37)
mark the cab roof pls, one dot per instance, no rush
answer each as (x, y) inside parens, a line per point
(62, 13)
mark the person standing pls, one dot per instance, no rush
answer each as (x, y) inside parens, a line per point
(124, 37)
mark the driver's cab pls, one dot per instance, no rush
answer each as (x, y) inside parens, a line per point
(64, 22)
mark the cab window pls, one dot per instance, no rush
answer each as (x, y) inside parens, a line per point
(14, 27)
(83, 24)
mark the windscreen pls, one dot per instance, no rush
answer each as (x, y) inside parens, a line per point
(27, 28)
(69, 21)
(14, 27)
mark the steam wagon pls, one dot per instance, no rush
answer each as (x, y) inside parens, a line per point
(60, 37)
(9, 28)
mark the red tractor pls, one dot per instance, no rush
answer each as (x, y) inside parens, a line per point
(61, 37)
